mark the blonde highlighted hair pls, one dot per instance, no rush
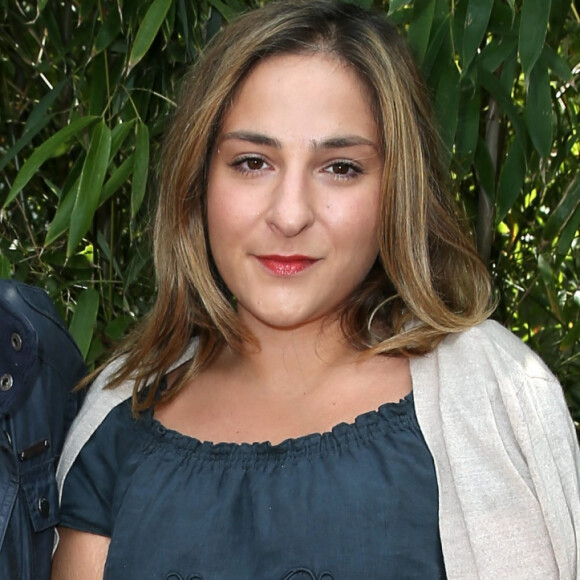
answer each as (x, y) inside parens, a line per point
(428, 280)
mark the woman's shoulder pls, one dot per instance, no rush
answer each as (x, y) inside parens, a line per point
(114, 428)
(483, 368)
(99, 402)
(492, 413)
(491, 345)
(101, 472)
(113, 440)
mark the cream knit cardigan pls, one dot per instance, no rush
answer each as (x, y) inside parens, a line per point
(504, 447)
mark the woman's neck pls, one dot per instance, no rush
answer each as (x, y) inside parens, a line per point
(299, 381)
(290, 359)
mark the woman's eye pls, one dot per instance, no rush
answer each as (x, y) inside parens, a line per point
(249, 164)
(255, 164)
(343, 169)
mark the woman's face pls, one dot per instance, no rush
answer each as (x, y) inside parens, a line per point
(294, 190)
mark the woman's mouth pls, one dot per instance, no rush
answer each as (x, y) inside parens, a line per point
(286, 265)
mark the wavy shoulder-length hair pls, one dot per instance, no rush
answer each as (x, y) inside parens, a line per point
(428, 280)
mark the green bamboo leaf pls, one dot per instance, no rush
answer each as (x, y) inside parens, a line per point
(140, 168)
(136, 264)
(484, 168)
(119, 134)
(559, 15)
(117, 179)
(420, 27)
(395, 5)
(476, 21)
(557, 64)
(493, 86)
(539, 109)
(571, 338)
(509, 74)
(73, 175)
(39, 112)
(148, 30)
(26, 138)
(228, 13)
(91, 181)
(117, 328)
(467, 127)
(447, 105)
(169, 24)
(186, 17)
(109, 29)
(550, 284)
(62, 218)
(48, 149)
(109, 256)
(84, 318)
(511, 180)
(533, 28)
(434, 50)
(86, 8)
(568, 205)
(496, 53)
(458, 25)
(103, 245)
(5, 268)
(53, 31)
(99, 81)
(568, 234)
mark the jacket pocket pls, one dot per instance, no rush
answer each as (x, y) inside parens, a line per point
(41, 492)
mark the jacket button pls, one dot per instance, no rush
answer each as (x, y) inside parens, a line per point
(44, 507)
(16, 341)
(6, 382)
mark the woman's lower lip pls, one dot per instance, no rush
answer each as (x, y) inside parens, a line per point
(286, 266)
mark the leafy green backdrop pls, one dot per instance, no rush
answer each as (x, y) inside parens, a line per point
(86, 87)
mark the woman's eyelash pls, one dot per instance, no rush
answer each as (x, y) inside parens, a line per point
(339, 170)
(249, 163)
(344, 169)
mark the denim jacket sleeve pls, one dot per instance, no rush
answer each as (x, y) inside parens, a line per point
(39, 365)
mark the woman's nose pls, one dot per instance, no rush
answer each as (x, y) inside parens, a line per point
(291, 207)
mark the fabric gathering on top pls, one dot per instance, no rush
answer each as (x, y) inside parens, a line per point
(357, 502)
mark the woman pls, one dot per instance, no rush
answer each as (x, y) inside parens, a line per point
(316, 295)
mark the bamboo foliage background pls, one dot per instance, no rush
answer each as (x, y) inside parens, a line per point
(86, 87)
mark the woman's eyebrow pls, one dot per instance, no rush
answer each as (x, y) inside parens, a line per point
(252, 137)
(342, 141)
(337, 142)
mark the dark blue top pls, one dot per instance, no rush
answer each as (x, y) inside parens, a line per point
(359, 502)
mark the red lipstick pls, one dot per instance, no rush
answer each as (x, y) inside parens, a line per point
(286, 265)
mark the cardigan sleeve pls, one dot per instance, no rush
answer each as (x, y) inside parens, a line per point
(547, 436)
(506, 456)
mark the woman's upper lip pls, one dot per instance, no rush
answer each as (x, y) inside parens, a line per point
(290, 258)
(286, 265)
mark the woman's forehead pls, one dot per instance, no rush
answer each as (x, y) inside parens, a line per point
(302, 96)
